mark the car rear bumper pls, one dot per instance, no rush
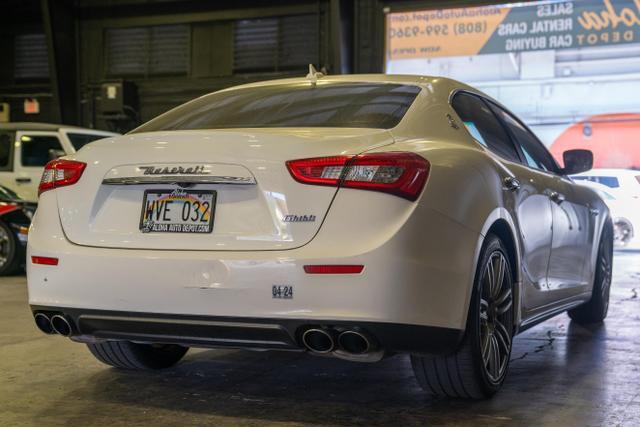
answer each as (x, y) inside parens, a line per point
(411, 276)
(241, 332)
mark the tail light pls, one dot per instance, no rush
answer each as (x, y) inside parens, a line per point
(60, 173)
(399, 173)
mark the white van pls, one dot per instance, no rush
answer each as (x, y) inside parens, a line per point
(26, 147)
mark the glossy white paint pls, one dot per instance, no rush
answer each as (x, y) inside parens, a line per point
(420, 257)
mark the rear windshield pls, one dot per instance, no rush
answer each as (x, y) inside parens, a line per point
(353, 105)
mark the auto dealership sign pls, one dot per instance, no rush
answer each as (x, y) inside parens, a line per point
(512, 28)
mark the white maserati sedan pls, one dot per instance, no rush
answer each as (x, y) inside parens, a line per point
(350, 216)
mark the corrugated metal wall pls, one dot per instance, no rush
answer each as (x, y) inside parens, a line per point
(31, 61)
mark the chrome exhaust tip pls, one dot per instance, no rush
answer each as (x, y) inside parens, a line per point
(61, 325)
(354, 342)
(43, 323)
(318, 340)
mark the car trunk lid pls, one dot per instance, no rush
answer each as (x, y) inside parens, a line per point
(258, 205)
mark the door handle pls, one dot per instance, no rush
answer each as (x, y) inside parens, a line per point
(511, 183)
(556, 197)
(23, 180)
(594, 211)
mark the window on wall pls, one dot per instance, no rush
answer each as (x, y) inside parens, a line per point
(274, 44)
(157, 50)
(31, 60)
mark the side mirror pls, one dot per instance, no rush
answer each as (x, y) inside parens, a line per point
(54, 154)
(576, 161)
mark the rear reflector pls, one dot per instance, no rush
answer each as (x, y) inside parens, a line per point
(333, 269)
(44, 260)
(400, 173)
(59, 173)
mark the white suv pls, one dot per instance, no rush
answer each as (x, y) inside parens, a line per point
(621, 182)
(26, 147)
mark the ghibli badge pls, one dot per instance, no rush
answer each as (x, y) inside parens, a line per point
(299, 218)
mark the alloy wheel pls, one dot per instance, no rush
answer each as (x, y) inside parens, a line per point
(622, 232)
(496, 316)
(5, 247)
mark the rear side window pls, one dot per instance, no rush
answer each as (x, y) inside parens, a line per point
(6, 149)
(483, 125)
(535, 154)
(37, 150)
(353, 105)
(79, 140)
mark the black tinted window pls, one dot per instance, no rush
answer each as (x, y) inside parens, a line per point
(6, 145)
(365, 105)
(609, 181)
(79, 140)
(535, 154)
(37, 150)
(483, 125)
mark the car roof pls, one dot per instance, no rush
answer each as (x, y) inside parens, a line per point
(16, 126)
(610, 172)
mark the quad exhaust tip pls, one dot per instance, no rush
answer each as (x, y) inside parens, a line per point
(318, 340)
(44, 323)
(61, 325)
(354, 342)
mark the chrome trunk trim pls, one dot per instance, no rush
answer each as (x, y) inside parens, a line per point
(207, 179)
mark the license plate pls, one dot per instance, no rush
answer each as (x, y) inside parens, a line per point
(177, 211)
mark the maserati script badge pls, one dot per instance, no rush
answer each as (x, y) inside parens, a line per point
(175, 170)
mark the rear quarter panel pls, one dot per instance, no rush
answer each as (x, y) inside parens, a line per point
(588, 197)
(464, 186)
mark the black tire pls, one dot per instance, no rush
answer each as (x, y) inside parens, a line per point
(10, 251)
(596, 309)
(465, 373)
(129, 355)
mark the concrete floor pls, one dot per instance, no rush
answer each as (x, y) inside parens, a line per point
(561, 374)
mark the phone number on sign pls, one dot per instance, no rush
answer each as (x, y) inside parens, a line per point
(459, 29)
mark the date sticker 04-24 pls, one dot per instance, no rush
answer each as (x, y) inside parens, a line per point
(282, 291)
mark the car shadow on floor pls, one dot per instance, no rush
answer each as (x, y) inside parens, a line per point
(549, 364)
